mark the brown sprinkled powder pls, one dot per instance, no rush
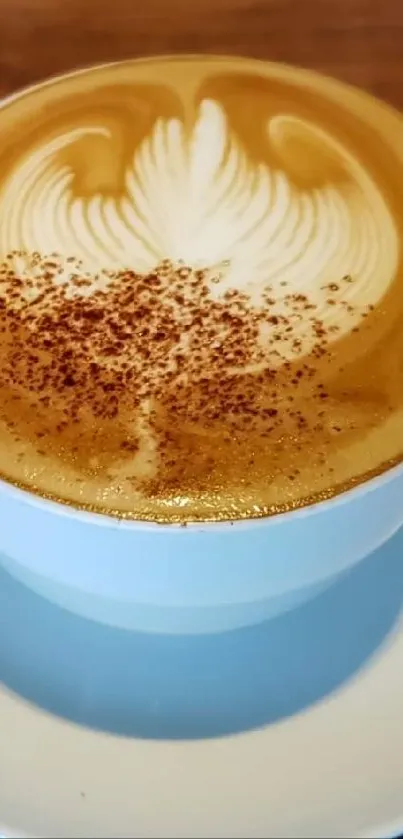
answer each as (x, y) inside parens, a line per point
(208, 373)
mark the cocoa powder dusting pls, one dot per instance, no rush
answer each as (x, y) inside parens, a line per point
(87, 360)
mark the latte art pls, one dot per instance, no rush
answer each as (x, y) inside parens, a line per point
(200, 289)
(195, 197)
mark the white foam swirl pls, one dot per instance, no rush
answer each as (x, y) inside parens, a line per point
(197, 197)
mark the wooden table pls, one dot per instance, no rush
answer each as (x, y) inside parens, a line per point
(360, 41)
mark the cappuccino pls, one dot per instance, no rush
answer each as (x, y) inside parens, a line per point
(201, 288)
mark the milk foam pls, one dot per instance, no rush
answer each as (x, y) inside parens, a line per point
(167, 398)
(196, 196)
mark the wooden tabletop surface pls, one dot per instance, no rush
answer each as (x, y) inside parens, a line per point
(360, 41)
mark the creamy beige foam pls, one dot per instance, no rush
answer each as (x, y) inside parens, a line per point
(267, 370)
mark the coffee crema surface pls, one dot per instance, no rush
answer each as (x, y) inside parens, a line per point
(201, 289)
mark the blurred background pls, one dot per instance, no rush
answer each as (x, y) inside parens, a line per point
(360, 41)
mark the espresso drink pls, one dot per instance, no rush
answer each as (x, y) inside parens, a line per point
(201, 289)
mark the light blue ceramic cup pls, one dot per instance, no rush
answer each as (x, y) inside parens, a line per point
(202, 578)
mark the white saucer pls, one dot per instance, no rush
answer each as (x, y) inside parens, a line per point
(311, 705)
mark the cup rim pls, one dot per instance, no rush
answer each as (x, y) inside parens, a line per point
(250, 62)
(105, 519)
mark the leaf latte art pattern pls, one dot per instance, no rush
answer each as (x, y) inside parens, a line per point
(196, 196)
